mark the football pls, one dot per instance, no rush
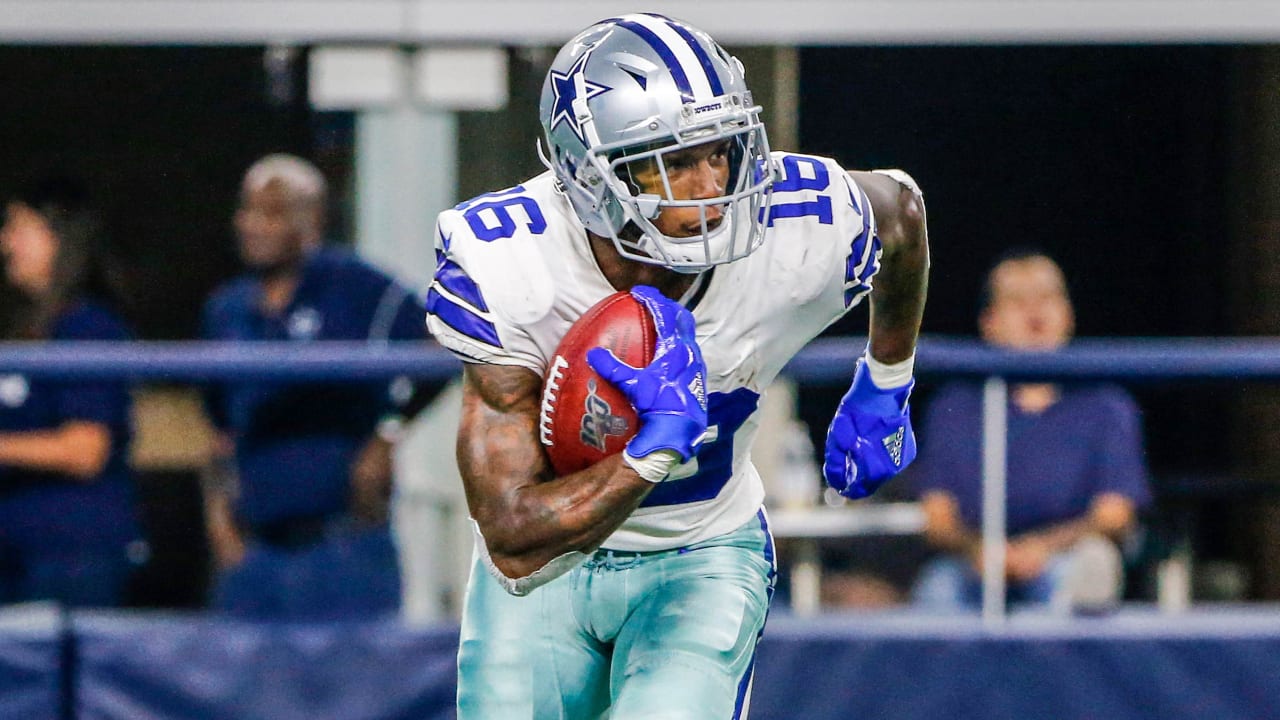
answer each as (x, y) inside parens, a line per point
(584, 418)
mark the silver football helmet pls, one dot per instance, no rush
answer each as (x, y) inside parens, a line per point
(624, 94)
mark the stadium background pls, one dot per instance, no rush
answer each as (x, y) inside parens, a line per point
(1142, 151)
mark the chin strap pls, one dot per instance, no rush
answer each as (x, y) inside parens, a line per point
(524, 585)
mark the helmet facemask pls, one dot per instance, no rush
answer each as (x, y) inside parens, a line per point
(744, 199)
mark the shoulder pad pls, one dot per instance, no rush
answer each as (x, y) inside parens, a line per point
(511, 273)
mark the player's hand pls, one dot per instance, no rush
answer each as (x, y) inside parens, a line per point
(870, 439)
(669, 395)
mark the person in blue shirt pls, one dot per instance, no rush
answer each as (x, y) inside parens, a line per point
(69, 528)
(1076, 474)
(298, 513)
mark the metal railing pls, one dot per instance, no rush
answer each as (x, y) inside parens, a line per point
(828, 360)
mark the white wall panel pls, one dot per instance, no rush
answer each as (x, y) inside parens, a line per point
(549, 22)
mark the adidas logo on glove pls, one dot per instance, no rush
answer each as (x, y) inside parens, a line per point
(893, 444)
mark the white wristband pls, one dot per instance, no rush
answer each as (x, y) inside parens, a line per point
(654, 467)
(889, 376)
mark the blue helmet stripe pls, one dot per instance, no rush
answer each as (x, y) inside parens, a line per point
(664, 52)
(703, 58)
(462, 319)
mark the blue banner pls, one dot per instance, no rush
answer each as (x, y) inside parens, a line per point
(1134, 665)
(198, 668)
(31, 667)
(1143, 667)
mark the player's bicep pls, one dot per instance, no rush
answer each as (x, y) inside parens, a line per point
(498, 447)
(898, 206)
(897, 299)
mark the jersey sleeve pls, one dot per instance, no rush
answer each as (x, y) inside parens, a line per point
(862, 254)
(821, 224)
(488, 287)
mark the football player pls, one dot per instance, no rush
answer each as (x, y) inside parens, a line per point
(640, 585)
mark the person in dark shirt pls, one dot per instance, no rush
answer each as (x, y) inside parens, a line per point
(1076, 474)
(298, 517)
(69, 529)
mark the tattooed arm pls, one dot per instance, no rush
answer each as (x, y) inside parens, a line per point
(527, 516)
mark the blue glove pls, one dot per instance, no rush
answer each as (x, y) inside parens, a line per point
(870, 439)
(670, 393)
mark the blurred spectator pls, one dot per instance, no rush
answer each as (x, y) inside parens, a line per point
(1075, 468)
(853, 589)
(298, 501)
(68, 517)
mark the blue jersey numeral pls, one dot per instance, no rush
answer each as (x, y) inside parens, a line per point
(713, 465)
(793, 177)
(498, 206)
(793, 180)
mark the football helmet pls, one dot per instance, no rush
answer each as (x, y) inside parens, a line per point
(626, 93)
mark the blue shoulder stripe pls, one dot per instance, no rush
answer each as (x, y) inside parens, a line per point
(450, 275)
(453, 278)
(462, 319)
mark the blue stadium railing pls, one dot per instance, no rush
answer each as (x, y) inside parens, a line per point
(827, 360)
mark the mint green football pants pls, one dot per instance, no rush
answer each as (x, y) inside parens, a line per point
(657, 635)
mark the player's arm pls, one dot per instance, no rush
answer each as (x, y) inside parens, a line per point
(535, 525)
(870, 438)
(898, 293)
(527, 516)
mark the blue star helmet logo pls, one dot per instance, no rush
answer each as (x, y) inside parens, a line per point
(565, 87)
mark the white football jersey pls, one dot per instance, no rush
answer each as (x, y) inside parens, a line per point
(514, 270)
